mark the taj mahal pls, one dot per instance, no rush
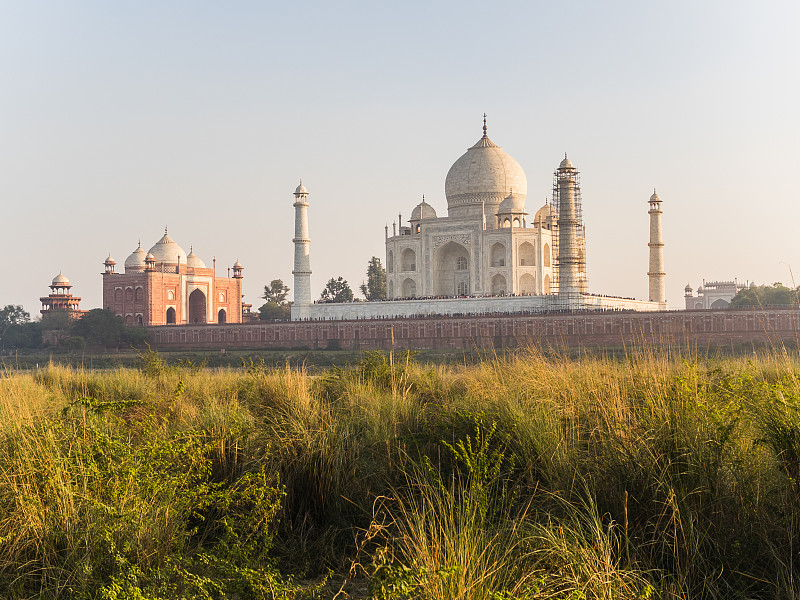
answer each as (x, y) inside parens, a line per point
(488, 255)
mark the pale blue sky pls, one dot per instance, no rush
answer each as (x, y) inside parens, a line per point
(117, 119)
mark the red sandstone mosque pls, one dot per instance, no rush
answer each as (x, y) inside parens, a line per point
(166, 286)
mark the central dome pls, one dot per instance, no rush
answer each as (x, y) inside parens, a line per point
(166, 250)
(484, 173)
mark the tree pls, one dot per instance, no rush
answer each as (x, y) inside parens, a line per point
(337, 290)
(101, 327)
(375, 287)
(271, 311)
(776, 294)
(12, 317)
(275, 292)
(13, 314)
(276, 307)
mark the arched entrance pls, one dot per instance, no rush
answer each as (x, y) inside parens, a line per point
(221, 316)
(170, 316)
(197, 307)
(451, 274)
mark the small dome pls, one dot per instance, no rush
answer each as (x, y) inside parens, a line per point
(167, 251)
(135, 260)
(194, 261)
(149, 257)
(512, 204)
(566, 163)
(301, 189)
(423, 210)
(237, 265)
(109, 261)
(688, 288)
(60, 280)
(543, 213)
(654, 197)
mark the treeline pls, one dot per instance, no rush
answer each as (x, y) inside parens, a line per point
(776, 294)
(97, 328)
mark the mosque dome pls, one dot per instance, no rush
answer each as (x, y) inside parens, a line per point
(237, 265)
(688, 288)
(484, 173)
(654, 197)
(423, 210)
(194, 261)
(566, 163)
(136, 260)
(512, 204)
(167, 251)
(301, 189)
(60, 280)
(109, 261)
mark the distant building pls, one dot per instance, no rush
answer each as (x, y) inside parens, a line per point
(59, 309)
(165, 286)
(712, 294)
(487, 255)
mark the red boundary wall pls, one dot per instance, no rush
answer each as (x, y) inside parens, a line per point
(716, 327)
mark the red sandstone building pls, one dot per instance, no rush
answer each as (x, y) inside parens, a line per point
(165, 286)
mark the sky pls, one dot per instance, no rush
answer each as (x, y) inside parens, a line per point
(118, 119)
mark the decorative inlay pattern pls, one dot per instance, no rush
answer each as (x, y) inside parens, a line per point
(463, 239)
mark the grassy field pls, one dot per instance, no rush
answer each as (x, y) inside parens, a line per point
(655, 475)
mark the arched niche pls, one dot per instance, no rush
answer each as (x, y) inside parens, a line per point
(527, 284)
(546, 287)
(222, 316)
(498, 284)
(451, 270)
(391, 289)
(409, 288)
(170, 316)
(390, 263)
(497, 255)
(546, 257)
(527, 255)
(408, 260)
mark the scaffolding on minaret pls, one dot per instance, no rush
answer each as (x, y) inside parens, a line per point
(569, 280)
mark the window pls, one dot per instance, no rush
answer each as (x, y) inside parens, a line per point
(461, 264)
(462, 288)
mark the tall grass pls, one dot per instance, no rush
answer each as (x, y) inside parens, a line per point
(662, 474)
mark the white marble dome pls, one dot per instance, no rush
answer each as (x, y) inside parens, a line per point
(194, 261)
(543, 213)
(167, 251)
(485, 173)
(513, 204)
(136, 260)
(423, 210)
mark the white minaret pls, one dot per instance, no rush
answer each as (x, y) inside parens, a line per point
(656, 273)
(568, 221)
(302, 263)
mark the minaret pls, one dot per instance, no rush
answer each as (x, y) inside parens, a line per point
(302, 264)
(568, 222)
(656, 272)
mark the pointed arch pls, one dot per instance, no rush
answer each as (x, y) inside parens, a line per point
(197, 307)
